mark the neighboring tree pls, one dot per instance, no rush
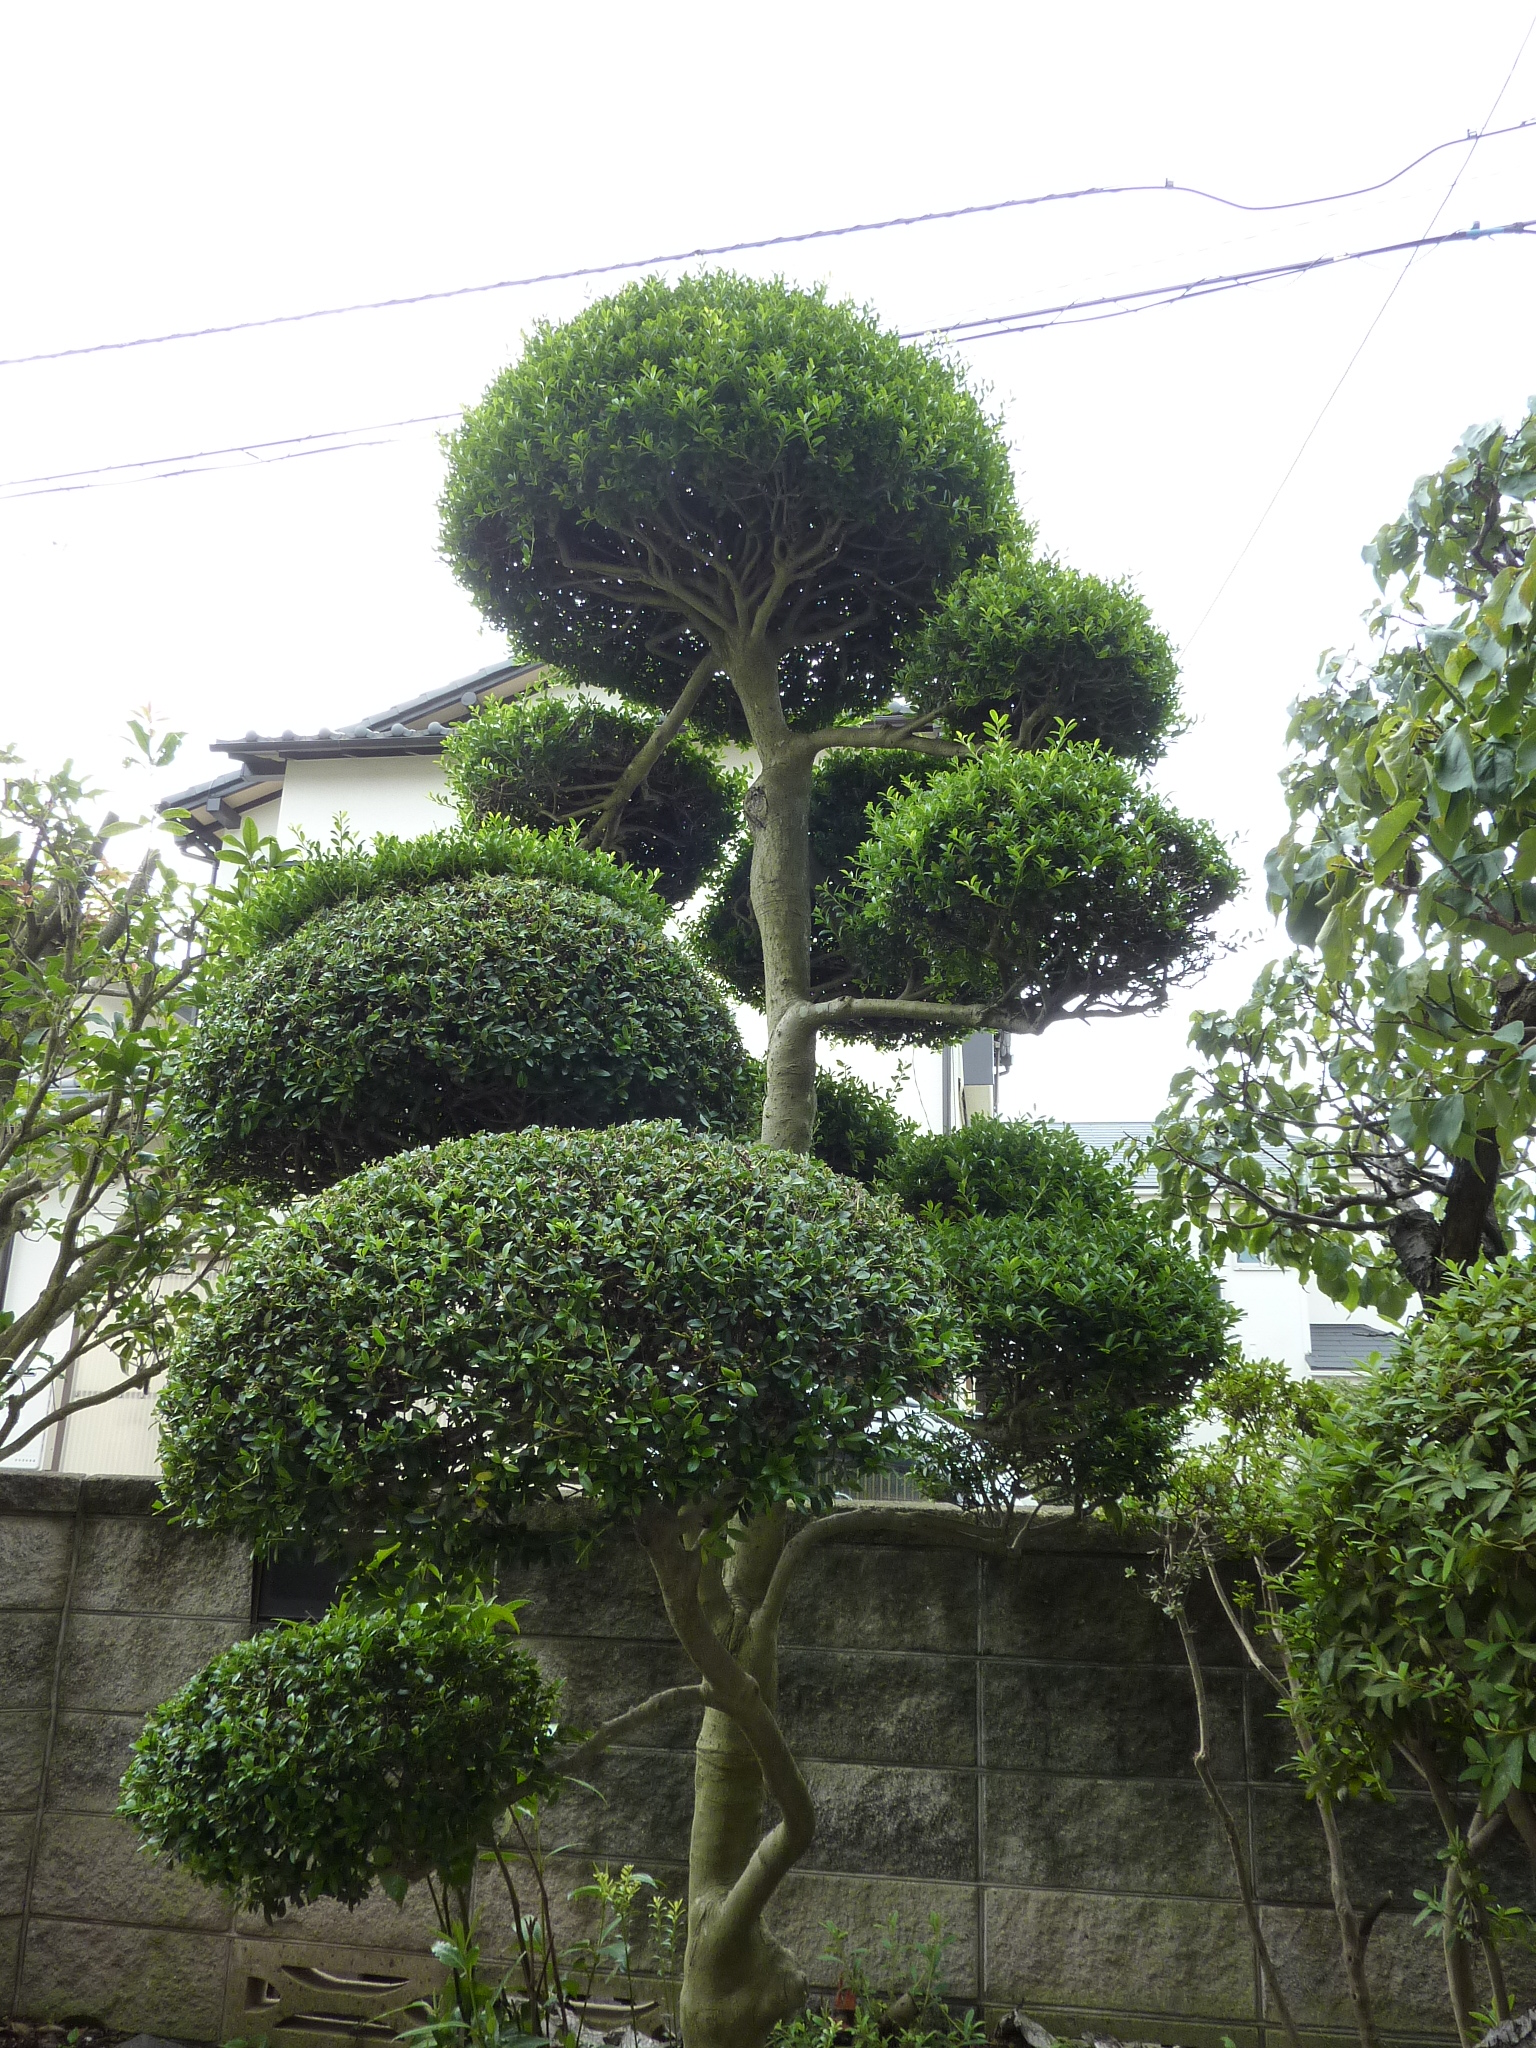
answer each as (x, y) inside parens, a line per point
(97, 970)
(736, 500)
(418, 1729)
(1411, 1614)
(1366, 1115)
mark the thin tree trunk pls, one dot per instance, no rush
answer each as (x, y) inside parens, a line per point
(1458, 1950)
(1230, 1829)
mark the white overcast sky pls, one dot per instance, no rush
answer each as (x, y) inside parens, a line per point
(171, 166)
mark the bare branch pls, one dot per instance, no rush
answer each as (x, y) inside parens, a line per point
(604, 827)
(666, 1702)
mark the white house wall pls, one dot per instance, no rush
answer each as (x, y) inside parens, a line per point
(400, 794)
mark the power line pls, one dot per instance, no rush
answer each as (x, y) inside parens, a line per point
(1423, 242)
(1110, 305)
(1149, 297)
(867, 227)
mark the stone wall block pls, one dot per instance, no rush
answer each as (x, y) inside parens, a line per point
(854, 1707)
(603, 1679)
(23, 1736)
(132, 1979)
(1388, 1848)
(146, 1565)
(376, 1923)
(1096, 1720)
(90, 1754)
(641, 1806)
(1093, 1953)
(885, 1821)
(613, 1596)
(10, 1943)
(853, 1596)
(34, 1560)
(129, 1663)
(1069, 1607)
(15, 1848)
(28, 1643)
(1105, 1834)
(90, 1867)
(807, 1900)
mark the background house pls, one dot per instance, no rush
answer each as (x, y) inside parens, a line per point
(384, 773)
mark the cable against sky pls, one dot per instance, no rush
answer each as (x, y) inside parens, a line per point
(1423, 241)
(1039, 319)
(869, 227)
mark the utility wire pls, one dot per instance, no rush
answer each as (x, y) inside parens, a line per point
(1111, 305)
(1426, 240)
(866, 227)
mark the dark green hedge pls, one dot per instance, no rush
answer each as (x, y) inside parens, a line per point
(544, 761)
(317, 1758)
(1094, 1327)
(640, 1313)
(485, 1004)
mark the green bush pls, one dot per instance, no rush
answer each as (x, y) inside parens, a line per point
(1049, 878)
(1093, 1327)
(486, 1004)
(1042, 643)
(544, 761)
(858, 1130)
(317, 1758)
(346, 871)
(639, 1313)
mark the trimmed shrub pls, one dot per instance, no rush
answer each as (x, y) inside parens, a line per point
(642, 1314)
(858, 1130)
(544, 761)
(317, 1758)
(485, 1004)
(1093, 1327)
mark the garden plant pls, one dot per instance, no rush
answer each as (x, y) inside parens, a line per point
(540, 1286)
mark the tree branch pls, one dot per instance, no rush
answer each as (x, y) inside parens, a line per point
(604, 827)
(665, 1702)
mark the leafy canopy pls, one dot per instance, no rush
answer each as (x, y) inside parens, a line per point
(1093, 1327)
(1413, 1609)
(690, 461)
(641, 1314)
(416, 1730)
(1048, 883)
(481, 1004)
(544, 761)
(1367, 1115)
(1045, 645)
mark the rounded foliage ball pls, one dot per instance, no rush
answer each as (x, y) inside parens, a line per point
(1093, 1326)
(641, 470)
(859, 1131)
(543, 761)
(639, 1313)
(1039, 643)
(488, 1003)
(1043, 882)
(318, 1758)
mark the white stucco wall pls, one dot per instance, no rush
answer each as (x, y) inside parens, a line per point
(399, 795)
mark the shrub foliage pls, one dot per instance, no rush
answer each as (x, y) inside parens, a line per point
(543, 761)
(641, 1313)
(416, 1729)
(486, 1004)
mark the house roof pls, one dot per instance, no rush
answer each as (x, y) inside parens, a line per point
(418, 726)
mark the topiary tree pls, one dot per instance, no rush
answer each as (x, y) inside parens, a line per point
(644, 1328)
(544, 761)
(418, 1729)
(739, 500)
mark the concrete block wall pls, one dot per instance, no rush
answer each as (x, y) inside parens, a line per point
(1006, 1744)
